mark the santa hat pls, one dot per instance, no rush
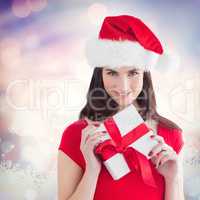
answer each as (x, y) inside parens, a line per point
(125, 41)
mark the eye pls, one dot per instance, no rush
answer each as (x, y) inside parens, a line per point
(133, 73)
(112, 73)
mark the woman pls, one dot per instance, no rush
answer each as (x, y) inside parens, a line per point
(122, 79)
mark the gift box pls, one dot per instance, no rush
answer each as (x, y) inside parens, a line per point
(126, 145)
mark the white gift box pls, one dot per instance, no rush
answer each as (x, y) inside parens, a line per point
(127, 120)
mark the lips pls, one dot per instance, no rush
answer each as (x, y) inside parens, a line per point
(117, 95)
(124, 94)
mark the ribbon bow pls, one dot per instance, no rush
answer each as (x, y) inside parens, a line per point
(120, 144)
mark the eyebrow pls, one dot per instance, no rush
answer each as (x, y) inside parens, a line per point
(112, 70)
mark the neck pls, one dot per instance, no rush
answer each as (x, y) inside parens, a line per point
(134, 103)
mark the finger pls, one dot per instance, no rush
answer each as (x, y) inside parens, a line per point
(163, 160)
(90, 129)
(156, 150)
(168, 155)
(160, 156)
(155, 159)
(100, 135)
(94, 142)
(87, 131)
(158, 138)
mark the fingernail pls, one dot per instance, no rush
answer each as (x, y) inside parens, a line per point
(96, 125)
(157, 165)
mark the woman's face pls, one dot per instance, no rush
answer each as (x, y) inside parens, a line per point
(123, 84)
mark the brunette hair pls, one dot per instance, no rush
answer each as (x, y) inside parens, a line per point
(100, 104)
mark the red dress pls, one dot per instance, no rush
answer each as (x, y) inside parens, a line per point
(129, 187)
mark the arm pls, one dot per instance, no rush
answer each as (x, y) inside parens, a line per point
(174, 187)
(81, 186)
(169, 164)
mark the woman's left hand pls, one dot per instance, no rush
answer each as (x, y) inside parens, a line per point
(164, 158)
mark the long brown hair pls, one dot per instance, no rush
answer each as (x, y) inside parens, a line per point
(100, 104)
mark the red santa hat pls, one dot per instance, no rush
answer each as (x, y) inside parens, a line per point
(125, 41)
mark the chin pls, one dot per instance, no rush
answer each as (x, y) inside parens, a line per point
(128, 102)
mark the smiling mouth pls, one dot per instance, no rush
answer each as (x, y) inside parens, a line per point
(123, 94)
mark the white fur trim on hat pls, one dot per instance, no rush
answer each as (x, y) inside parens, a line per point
(104, 52)
(169, 61)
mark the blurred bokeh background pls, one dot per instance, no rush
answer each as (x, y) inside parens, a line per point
(44, 78)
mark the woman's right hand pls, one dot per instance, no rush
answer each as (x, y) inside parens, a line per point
(89, 140)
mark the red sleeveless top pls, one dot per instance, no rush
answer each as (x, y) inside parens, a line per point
(129, 187)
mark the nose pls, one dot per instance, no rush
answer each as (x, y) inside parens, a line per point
(123, 85)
